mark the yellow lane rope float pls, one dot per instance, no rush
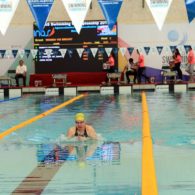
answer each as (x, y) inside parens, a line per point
(31, 120)
(149, 182)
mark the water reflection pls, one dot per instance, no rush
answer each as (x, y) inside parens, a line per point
(81, 152)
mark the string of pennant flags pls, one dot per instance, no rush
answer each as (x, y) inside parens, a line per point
(54, 53)
(77, 10)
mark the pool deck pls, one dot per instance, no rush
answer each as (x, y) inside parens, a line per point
(102, 89)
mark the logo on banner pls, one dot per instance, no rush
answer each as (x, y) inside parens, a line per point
(159, 10)
(110, 9)
(40, 10)
(5, 5)
(44, 33)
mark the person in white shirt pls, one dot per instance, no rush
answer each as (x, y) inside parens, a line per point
(21, 73)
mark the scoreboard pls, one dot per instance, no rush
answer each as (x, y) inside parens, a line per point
(62, 35)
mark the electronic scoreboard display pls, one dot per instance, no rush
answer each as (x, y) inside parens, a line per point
(62, 36)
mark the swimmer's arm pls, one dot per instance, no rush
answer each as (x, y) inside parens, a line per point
(70, 133)
(92, 133)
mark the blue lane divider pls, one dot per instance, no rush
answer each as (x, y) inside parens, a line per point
(11, 99)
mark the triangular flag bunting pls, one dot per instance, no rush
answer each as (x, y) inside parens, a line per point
(94, 51)
(108, 51)
(77, 10)
(123, 50)
(130, 49)
(27, 52)
(173, 49)
(190, 7)
(187, 48)
(40, 10)
(2, 53)
(8, 54)
(70, 52)
(115, 50)
(33, 52)
(63, 52)
(159, 49)
(80, 51)
(7, 10)
(110, 9)
(159, 10)
(14, 52)
(21, 53)
(147, 49)
(181, 49)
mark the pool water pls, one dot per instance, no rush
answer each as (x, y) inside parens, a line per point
(35, 159)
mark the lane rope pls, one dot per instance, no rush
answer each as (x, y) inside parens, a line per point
(31, 120)
(149, 181)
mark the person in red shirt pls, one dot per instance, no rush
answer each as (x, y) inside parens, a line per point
(141, 68)
(111, 63)
(191, 63)
(177, 64)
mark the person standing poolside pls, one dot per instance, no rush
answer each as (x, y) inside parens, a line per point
(111, 63)
(81, 130)
(191, 63)
(177, 64)
(141, 68)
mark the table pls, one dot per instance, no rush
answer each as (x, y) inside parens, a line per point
(166, 74)
(59, 78)
(115, 75)
(7, 79)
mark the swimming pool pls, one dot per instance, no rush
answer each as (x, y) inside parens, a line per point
(34, 159)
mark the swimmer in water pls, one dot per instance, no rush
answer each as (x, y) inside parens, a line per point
(81, 130)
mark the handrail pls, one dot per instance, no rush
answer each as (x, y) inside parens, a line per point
(149, 182)
(31, 120)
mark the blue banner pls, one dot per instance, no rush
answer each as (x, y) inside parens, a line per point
(40, 10)
(190, 7)
(110, 10)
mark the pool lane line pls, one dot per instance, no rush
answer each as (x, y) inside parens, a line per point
(11, 99)
(149, 181)
(31, 120)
